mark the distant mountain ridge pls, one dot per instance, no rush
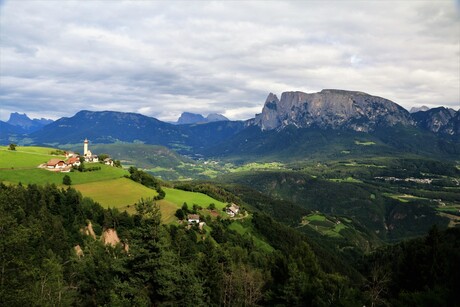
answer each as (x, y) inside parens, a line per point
(107, 127)
(192, 118)
(299, 124)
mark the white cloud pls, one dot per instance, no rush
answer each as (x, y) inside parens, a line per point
(162, 58)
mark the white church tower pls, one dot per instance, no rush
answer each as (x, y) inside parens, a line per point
(85, 147)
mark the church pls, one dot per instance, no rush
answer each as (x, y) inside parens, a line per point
(89, 157)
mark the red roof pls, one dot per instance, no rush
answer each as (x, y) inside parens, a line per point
(54, 162)
(73, 160)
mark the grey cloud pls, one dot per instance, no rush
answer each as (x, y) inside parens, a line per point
(160, 59)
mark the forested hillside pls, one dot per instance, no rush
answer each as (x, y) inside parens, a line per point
(228, 263)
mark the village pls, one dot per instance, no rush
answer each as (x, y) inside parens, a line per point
(74, 160)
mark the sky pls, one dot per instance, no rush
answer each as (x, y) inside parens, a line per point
(161, 58)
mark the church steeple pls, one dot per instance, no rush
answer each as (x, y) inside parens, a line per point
(85, 147)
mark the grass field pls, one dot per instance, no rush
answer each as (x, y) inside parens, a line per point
(257, 166)
(168, 211)
(315, 217)
(323, 225)
(348, 179)
(25, 157)
(246, 231)
(179, 197)
(404, 198)
(123, 193)
(115, 193)
(42, 176)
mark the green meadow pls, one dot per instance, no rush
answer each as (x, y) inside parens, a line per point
(323, 225)
(115, 193)
(25, 157)
(191, 198)
(123, 193)
(243, 228)
(43, 176)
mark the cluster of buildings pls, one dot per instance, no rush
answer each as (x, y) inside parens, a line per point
(73, 160)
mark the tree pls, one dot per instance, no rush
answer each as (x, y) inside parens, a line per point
(66, 180)
(103, 156)
(180, 214)
(12, 146)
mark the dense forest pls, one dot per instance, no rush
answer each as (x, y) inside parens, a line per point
(182, 265)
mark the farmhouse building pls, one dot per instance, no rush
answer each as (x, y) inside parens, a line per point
(56, 164)
(108, 161)
(74, 161)
(193, 218)
(233, 210)
(70, 154)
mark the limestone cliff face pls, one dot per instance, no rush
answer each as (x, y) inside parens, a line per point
(334, 109)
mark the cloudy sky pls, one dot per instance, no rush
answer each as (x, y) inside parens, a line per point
(162, 58)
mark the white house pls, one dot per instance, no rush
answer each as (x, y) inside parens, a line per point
(233, 210)
(70, 154)
(74, 161)
(193, 218)
(56, 164)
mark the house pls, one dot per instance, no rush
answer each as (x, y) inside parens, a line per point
(193, 218)
(74, 161)
(91, 158)
(108, 161)
(70, 154)
(233, 210)
(56, 164)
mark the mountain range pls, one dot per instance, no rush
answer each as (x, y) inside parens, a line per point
(297, 124)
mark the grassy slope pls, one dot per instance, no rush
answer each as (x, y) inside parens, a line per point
(116, 193)
(42, 176)
(191, 198)
(25, 157)
(244, 229)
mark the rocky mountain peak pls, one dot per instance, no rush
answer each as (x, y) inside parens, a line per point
(330, 108)
(271, 98)
(190, 118)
